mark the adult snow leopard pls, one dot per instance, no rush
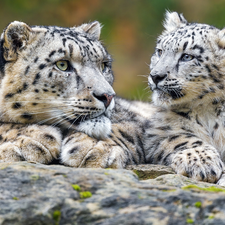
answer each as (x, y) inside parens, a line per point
(53, 76)
(62, 78)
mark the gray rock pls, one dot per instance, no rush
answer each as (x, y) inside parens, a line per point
(147, 171)
(40, 194)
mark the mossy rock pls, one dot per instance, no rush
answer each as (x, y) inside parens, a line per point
(149, 171)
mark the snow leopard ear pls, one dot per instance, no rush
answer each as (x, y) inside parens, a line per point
(92, 29)
(221, 39)
(15, 38)
(173, 21)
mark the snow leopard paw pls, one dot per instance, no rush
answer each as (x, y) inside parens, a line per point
(202, 164)
(81, 150)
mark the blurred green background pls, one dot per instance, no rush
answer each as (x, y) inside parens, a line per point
(130, 28)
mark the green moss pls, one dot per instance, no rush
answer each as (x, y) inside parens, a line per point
(190, 221)
(34, 177)
(198, 204)
(214, 189)
(57, 216)
(4, 168)
(140, 196)
(191, 186)
(15, 198)
(209, 189)
(136, 172)
(76, 187)
(211, 217)
(144, 175)
(106, 173)
(85, 194)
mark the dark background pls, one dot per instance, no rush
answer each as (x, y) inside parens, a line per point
(130, 28)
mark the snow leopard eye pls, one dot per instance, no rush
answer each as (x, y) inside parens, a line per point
(103, 67)
(186, 57)
(158, 52)
(62, 65)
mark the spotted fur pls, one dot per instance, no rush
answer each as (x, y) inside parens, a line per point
(52, 76)
(124, 146)
(184, 125)
(187, 80)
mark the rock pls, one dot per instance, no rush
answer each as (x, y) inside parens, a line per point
(35, 194)
(146, 171)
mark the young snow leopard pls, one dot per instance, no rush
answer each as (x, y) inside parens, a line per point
(188, 83)
(52, 75)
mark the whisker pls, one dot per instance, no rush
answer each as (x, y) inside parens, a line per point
(46, 120)
(74, 122)
(142, 75)
(147, 88)
(147, 64)
(59, 121)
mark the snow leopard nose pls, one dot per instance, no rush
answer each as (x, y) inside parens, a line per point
(105, 98)
(158, 77)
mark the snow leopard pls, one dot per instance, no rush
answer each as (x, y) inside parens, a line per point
(52, 80)
(187, 80)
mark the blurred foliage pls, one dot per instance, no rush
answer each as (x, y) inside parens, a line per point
(130, 28)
